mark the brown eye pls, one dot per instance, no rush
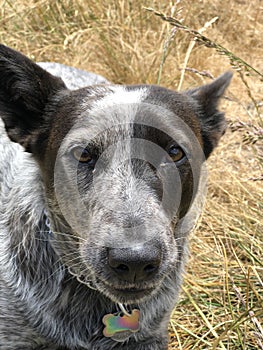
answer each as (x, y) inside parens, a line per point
(176, 153)
(82, 155)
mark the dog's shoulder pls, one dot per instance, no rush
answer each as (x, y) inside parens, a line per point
(7, 148)
(13, 161)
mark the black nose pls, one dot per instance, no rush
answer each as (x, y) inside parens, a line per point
(135, 264)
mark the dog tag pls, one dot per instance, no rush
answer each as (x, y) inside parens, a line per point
(120, 327)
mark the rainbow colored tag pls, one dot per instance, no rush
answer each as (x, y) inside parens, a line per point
(117, 323)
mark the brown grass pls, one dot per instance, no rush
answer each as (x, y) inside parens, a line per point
(221, 305)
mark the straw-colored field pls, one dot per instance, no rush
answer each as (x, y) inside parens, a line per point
(221, 304)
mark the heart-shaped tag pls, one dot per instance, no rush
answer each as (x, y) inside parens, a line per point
(116, 323)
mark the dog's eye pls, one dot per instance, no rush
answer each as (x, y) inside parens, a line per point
(176, 154)
(82, 155)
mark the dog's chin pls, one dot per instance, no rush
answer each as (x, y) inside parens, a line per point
(126, 295)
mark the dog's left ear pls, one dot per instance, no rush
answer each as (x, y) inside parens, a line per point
(25, 91)
(212, 121)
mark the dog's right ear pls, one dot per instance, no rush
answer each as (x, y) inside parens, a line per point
(25, 90)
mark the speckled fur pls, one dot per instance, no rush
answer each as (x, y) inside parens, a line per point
(42, 305)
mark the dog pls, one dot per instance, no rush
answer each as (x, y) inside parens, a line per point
(99, 188)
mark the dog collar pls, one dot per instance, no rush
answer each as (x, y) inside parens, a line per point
(118, 326)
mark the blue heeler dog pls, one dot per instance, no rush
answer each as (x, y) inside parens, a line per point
(99, 187)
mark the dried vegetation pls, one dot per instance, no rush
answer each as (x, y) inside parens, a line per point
(221, 305)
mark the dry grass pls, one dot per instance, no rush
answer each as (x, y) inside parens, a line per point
(221, 306)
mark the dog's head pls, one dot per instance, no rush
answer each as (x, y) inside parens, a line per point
(120, 166)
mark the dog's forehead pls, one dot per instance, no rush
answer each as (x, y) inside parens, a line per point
(111, 112)
(117, 95)
(111, 106)
(107, 107)
(112, 100)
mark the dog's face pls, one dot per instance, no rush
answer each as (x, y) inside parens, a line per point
(121, 178)
(121, 168)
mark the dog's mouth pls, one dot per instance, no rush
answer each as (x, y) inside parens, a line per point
(138, 293)
(128, 295)
(118, 294)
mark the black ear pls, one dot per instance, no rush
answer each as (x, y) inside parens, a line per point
(25, 90)
(212, 121)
